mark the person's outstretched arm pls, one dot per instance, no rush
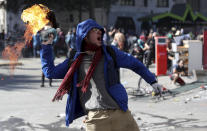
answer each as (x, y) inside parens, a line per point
(125, 60)
(47, 61)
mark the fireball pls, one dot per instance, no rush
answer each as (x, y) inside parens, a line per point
(36, 19)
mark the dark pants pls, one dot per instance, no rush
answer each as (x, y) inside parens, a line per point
(179, 80)
(43, 81)
(149, 57)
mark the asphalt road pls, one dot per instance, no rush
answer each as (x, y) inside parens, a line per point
(25, 106)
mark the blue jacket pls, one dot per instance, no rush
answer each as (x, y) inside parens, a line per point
(36, 40)
(111, 74)
(70, 40)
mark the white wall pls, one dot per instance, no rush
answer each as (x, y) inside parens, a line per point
(3, 18)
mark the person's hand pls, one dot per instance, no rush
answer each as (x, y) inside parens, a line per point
(157, 89)
(50, 40)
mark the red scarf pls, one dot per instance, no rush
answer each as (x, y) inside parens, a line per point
(67, 81)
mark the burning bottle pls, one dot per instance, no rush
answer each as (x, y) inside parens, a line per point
(39, 18)
(35, 17)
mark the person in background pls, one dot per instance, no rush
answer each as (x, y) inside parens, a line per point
(60, 45)
(170, 35)
(48, 31)
(70, 40)
(143, 36)
(2, 39)
(119, 40)
(178, 71)
(139, 49)
(150, 48)
(136, 52)
(131, 40)
(36, 44)
(170, 54)
(106, 37)
(111, 34)
(92, 81)
(43, 81)
(2, 35)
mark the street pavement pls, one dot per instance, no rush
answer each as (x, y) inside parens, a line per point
(25, 106)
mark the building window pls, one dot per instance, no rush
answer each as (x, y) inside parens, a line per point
(145, 3)
(162, 3)
(127, 2)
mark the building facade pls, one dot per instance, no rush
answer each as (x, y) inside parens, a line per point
(3, 16)
(123, 14)
(131, 10)
(67, 20)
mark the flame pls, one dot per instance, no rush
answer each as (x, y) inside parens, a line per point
(35, 17)
(12, 53)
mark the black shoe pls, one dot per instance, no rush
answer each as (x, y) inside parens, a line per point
(42, 86)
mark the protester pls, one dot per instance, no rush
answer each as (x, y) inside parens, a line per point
(92, 81)
(60, 45)
(111, 33)
(178, 71)
(119, 41)
(138, 50)
(45, 33)
(43, 81)
(170, 54)
(150, 48)
(106, 37)
(70, 40)
(2, 35)
(131, 41)
(143, 36)
(36, 44)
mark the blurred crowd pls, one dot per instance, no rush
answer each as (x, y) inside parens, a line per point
(141, 46)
